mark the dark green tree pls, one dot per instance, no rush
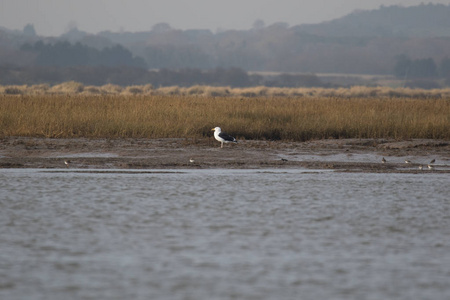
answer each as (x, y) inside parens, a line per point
(418, 68)
(402, 66)
(424, 68)
(29, 30)
(444, 68)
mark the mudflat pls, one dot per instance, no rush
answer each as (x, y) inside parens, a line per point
(344, 155)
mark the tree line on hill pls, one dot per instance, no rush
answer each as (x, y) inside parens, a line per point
(62, 61)
(64, 54)
(421, 68)
(129, 75)
(388, 41)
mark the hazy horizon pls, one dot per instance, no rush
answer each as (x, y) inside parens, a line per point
(52, 18)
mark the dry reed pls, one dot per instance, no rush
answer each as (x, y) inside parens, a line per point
(160, 116)
(75, 88)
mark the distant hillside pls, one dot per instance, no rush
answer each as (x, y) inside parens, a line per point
(409, 42)
(425, 20)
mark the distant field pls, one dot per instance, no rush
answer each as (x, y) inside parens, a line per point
(75, 88)
(296, 118)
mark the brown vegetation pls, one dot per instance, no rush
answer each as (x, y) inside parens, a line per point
(76, 88)
(142, 112)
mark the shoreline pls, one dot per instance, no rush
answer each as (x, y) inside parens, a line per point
(342, 155)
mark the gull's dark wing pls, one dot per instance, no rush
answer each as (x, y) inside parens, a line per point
(227, 137)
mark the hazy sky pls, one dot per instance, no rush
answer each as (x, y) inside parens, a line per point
(53, 17)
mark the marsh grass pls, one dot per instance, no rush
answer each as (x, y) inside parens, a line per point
(76, 88)
(272, 118)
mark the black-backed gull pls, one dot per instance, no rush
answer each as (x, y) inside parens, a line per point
(223, 137)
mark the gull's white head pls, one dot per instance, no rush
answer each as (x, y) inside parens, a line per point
(217, 129)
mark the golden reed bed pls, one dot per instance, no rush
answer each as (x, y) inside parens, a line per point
(76, 88)
(295, 118)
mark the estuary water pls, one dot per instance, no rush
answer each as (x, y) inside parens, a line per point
(223, 234)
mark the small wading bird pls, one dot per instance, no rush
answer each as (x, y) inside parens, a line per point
(407, 161)
(223, 137)
(433, 161)
(420, 167)
(383, 160)
(430, 167)
(67, 162)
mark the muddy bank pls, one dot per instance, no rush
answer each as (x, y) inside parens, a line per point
(346, 155)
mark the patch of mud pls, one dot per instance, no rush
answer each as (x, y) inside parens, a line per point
(346, 155)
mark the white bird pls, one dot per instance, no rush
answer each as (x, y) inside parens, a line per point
(420, 167)
(191, 160)
(223, 137)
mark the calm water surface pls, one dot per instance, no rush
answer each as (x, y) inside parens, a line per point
(223, 234)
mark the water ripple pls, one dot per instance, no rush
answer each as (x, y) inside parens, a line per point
(221, 234)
